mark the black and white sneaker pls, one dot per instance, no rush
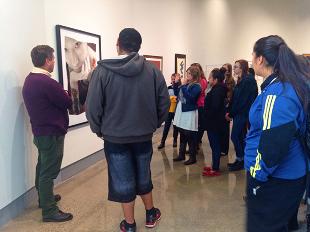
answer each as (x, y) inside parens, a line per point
(152, 218)
(125, 227)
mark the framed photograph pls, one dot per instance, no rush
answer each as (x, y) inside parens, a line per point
(180, 64)
(77, 54)
(157, 60)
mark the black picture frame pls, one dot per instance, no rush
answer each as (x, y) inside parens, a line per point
(77, 55)
(180, 64)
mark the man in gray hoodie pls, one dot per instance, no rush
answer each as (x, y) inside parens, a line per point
(127, 101)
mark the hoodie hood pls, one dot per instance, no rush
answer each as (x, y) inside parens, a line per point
(129, 66)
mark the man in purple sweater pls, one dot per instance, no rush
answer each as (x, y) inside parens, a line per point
(47, 104)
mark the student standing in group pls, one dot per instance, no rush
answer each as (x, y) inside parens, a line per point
(274, 157)
(186, 115)
(243, 96)
(47, 104)
(127, 101)
(214, 118)
(200, 103)
(230, 85)
(173, 90)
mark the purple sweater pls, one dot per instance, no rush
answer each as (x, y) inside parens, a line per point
(47, 104)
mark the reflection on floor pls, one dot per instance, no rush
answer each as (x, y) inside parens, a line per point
(188, 201)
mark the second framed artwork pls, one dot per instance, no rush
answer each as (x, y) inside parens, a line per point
(77, 54)
(156, 60)
(180, 64)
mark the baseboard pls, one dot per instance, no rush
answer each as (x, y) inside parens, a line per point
(19, 205)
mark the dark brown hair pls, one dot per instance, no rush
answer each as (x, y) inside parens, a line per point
(286, 64)
(40, 53)
(244, 66)
(229, 67)
(219, 74)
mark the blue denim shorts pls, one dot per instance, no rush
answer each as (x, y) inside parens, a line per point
(129, 170)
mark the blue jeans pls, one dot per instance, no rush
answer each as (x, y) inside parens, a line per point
(215, 144)
(238, 134)
(129, 170)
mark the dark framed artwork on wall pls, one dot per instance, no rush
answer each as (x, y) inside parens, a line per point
(157, 60)
(180, 64)
(77, 54)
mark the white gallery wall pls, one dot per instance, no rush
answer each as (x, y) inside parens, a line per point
(20, 23)
(207, 31)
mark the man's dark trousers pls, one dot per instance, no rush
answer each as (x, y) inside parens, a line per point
(167, 127)
(49, 162)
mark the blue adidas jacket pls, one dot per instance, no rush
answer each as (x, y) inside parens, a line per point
(272, 148)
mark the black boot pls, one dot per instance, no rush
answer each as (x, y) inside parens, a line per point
(190, 161)
(238, 165)
(192, 153)
(181, 155)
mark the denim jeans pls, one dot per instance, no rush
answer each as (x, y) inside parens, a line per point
(215, 144)
(238, 134)
(129, 170)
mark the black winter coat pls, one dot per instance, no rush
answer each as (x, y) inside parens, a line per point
(214, 108)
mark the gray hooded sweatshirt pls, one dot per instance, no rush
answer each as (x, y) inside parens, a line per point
(127, 99)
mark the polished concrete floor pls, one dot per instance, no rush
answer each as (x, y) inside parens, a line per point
(188, 201)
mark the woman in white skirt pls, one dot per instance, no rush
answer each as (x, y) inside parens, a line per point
(186, 115)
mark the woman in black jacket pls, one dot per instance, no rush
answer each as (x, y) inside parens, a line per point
(244, 95)
(214, 110)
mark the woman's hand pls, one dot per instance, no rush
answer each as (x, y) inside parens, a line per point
(184, 81)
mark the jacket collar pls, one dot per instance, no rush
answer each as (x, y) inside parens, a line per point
(268, 81)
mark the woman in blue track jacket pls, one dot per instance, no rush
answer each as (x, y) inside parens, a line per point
(274, 158)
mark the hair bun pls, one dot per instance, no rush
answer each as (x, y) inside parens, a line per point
(223, 70)
(282, 44)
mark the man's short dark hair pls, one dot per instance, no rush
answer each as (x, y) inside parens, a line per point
(129, 40)
(40, 53)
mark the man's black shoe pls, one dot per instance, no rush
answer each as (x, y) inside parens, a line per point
(57, 198)
(239, 165)
(59, 217)
(161, 145)
(125, 227)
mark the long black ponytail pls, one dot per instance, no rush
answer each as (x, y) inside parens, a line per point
(286, 64)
